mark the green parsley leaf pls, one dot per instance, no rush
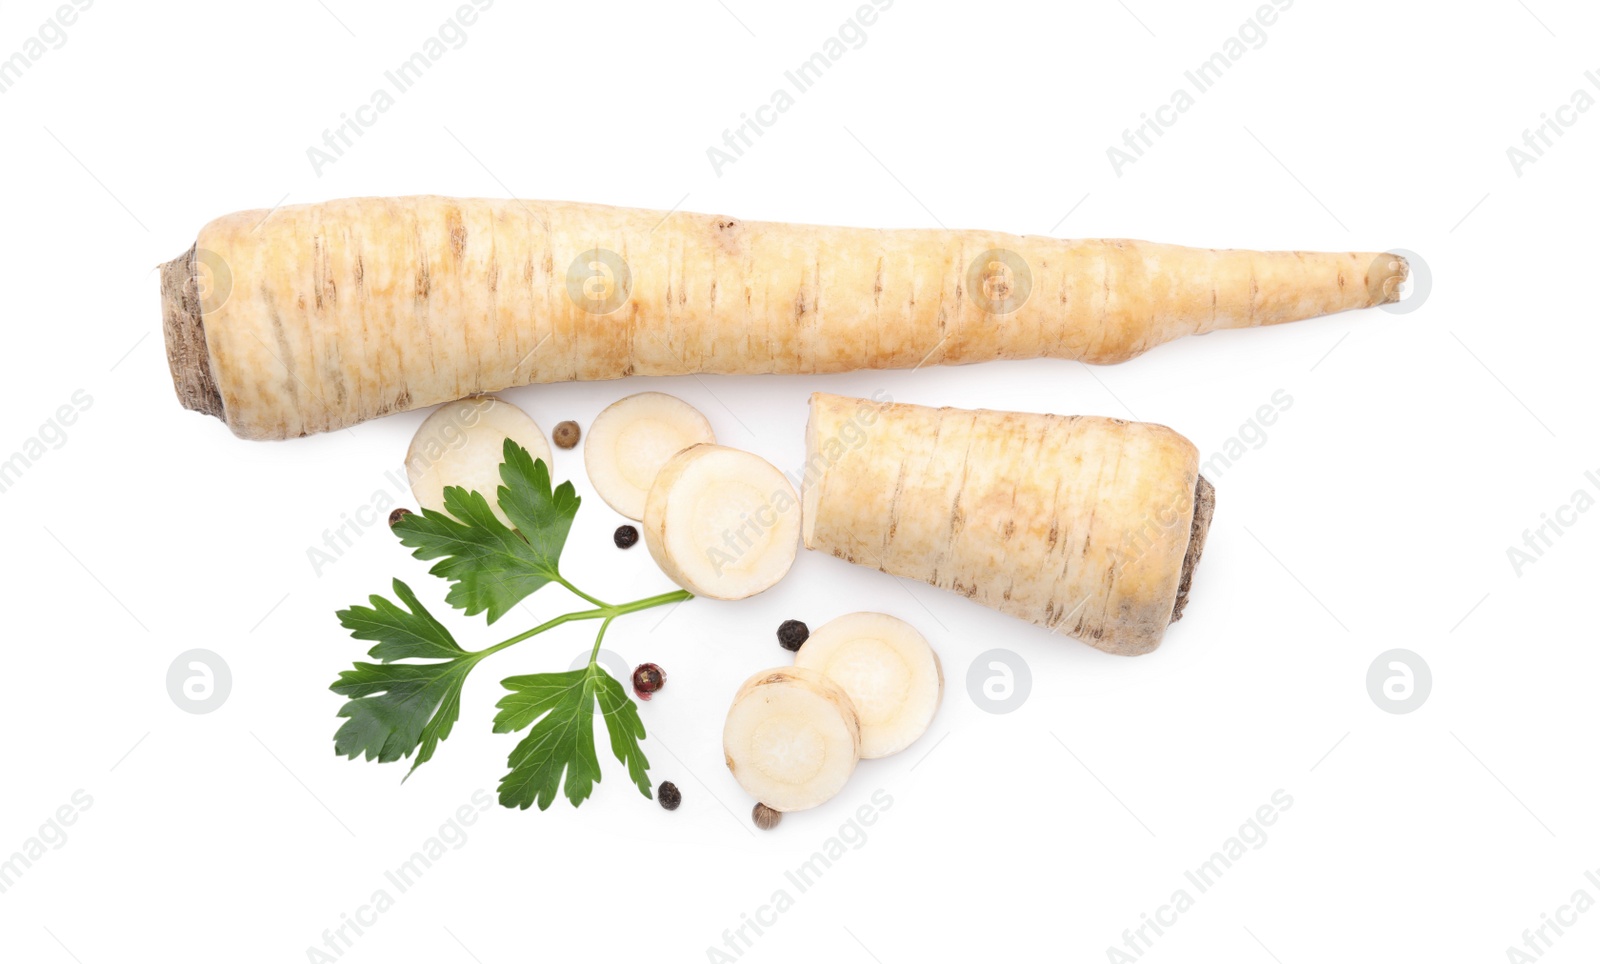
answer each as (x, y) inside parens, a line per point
(395, 709)
(563, 740)
(493, 568)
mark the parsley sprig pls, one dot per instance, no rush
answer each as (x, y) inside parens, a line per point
(407, 702)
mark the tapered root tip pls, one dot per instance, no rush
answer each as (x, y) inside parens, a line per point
(1384, 278)
(183, 323)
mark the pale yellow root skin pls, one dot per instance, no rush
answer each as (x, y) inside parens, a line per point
(339, 312)
(1077, 524)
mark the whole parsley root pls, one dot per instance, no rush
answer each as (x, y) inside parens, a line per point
(408, 701)
(1091, 527)
(380, 305)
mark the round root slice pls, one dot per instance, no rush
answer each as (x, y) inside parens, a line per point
(722, 523)
(463, 443)
(889, 671)
(792, 738)
(632, 439)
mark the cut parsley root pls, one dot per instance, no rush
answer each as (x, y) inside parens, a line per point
(407, 702)
(461, 443)
(632, 439)
(863, 686)
(792, 738)
(722, 523)
(889, 671)
(1091, 527)
(312, 317)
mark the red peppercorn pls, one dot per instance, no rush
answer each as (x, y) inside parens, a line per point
(648, 678)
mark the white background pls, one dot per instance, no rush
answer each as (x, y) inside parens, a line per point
(1377, 513)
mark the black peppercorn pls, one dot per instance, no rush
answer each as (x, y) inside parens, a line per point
(397, 515)
(765, 817)
(668, 796)
(793, 634)
(625, 536)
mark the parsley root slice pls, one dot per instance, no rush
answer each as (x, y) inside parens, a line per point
(1090, 527)
(888, 670)
(792, 738)
(314, 317)
(632, 439)
(461, 444)
(721, 522)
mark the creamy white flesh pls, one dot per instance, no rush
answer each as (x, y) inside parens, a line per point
(632, 439)
(889, 671)
(721, 522)
(463, 443)
(791, 738)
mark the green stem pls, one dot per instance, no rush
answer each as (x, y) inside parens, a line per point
(594, 653)
(650, 602)
(580, 593)
(603, 611)
(552, 624)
